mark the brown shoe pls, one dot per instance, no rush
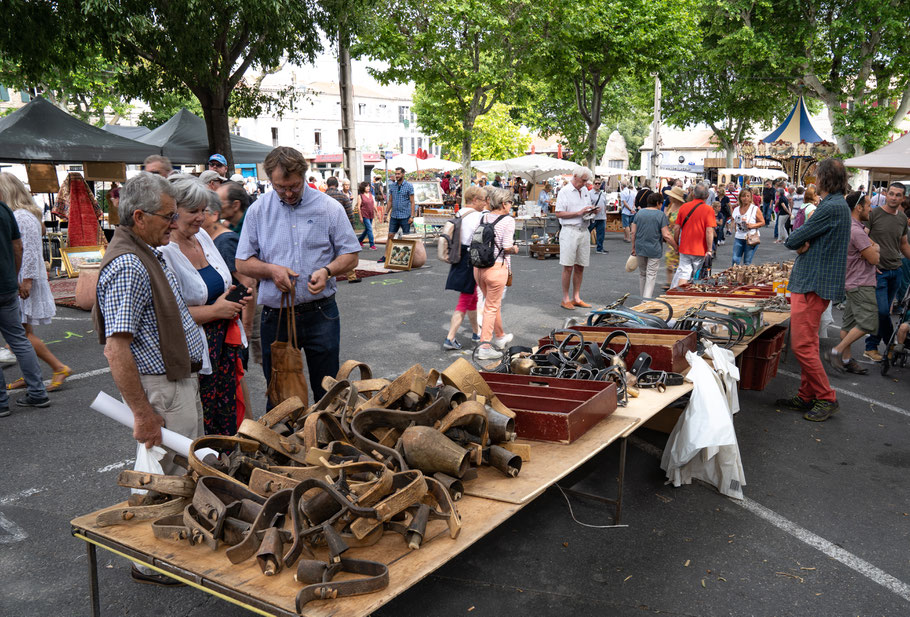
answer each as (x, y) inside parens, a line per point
(582, 304)
(567, 305)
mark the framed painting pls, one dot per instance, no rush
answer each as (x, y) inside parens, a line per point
(427, 193)
(76, 257)
(401, 254)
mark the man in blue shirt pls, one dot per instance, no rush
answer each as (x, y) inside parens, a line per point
(295, 232)
(401, 206)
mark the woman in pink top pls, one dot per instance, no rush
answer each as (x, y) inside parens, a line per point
(492, 280)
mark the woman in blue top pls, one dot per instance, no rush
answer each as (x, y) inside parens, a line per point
(205, 281)
(650, 228)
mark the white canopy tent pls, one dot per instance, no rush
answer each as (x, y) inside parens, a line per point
(411, 163)
(753, 172)
(893, 159)
(535, 167)
(676, 175)
(605, 172)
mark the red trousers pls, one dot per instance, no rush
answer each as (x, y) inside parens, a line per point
(805, 314)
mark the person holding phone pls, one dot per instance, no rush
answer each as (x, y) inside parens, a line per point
(573, 204)
(204, 280)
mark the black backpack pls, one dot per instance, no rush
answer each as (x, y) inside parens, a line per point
(483, 244)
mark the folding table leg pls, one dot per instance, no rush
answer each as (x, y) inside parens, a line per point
(93, 579)
(617, 502)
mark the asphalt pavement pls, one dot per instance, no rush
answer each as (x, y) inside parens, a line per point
(824, 529)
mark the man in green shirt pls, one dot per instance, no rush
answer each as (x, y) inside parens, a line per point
(888, 228)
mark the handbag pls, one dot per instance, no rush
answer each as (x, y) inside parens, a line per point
(509, 280)
(287, 378)
(753, 238)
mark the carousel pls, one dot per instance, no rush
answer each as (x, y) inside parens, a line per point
(795, 144)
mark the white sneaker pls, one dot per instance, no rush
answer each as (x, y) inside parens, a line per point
(7, 358)
(488, 353)
(501, 342)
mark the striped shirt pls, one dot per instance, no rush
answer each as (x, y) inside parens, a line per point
(504, 232)
(125, 300)
(823, 268)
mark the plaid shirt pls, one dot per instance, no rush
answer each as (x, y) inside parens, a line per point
(823, 268)
(400, 199)
(125, 299)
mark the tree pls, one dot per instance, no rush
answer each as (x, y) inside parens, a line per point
(464, 53)
(724, 85)
(495, 135)
(193, 45)
(588, 44)
(855, 53)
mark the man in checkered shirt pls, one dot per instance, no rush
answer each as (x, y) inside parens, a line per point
(133, 345)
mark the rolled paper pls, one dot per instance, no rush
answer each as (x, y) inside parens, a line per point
(107, 405)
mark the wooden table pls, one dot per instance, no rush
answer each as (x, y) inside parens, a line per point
(491, 499)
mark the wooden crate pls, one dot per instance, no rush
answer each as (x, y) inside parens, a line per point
(552, 409)
(544, 251)
(667, 348)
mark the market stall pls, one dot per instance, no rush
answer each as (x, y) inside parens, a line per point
(561, 421)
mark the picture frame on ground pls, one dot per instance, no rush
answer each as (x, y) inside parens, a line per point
(74, 258)
(401, 254)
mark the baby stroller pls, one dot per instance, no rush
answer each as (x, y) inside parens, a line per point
(896, 351)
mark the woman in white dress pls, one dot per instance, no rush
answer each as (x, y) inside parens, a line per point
(36, 302)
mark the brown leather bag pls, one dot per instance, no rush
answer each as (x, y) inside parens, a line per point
(287, 377)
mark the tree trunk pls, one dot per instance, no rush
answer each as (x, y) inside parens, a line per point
(346, 87)
(466, 142)
(730, 153)
(591, 146)
(217, 128)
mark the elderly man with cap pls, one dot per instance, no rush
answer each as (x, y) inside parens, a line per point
(211, 179)
(218, 163)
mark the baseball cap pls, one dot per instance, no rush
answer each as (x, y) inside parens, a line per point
(209, 175)
(237, 178)
(218, 157)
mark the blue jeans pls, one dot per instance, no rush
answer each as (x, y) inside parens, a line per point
(601, 227)
(743, 252)
(396, 224)
(766, 212)
(626, 219)
(885, 290)
(318, 334)
(367, 232)
(14, 334)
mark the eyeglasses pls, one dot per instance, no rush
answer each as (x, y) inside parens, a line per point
(170, 218)
(287, 189)
(216, 164)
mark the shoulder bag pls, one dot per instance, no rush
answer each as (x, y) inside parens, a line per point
(679, 229)
(287, 378)
(753, 237)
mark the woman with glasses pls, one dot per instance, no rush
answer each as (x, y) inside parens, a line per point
(461, 274)
(205, 282)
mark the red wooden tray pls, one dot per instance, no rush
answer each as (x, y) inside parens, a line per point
(667, 348)
(553, 409)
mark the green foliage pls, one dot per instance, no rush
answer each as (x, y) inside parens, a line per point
(866, 126)
(495, 135)
(166, 106)
(595, 53)
(464, 55)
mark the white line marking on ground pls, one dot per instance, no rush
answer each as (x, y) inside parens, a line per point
(86, 375)
(14, 531)
(861, 566)
(86, 318)
(114, 466)
(20, 495)
(865, 399)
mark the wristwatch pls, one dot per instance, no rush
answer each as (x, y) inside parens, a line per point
(327, 271)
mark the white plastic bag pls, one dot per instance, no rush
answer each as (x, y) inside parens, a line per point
(725, 366)
(148, 460)
(703, 443)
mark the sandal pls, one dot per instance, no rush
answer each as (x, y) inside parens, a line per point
(58, 378)
(19, 383)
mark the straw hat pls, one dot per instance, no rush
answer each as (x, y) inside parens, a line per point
(631, 263)
(677, 194)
